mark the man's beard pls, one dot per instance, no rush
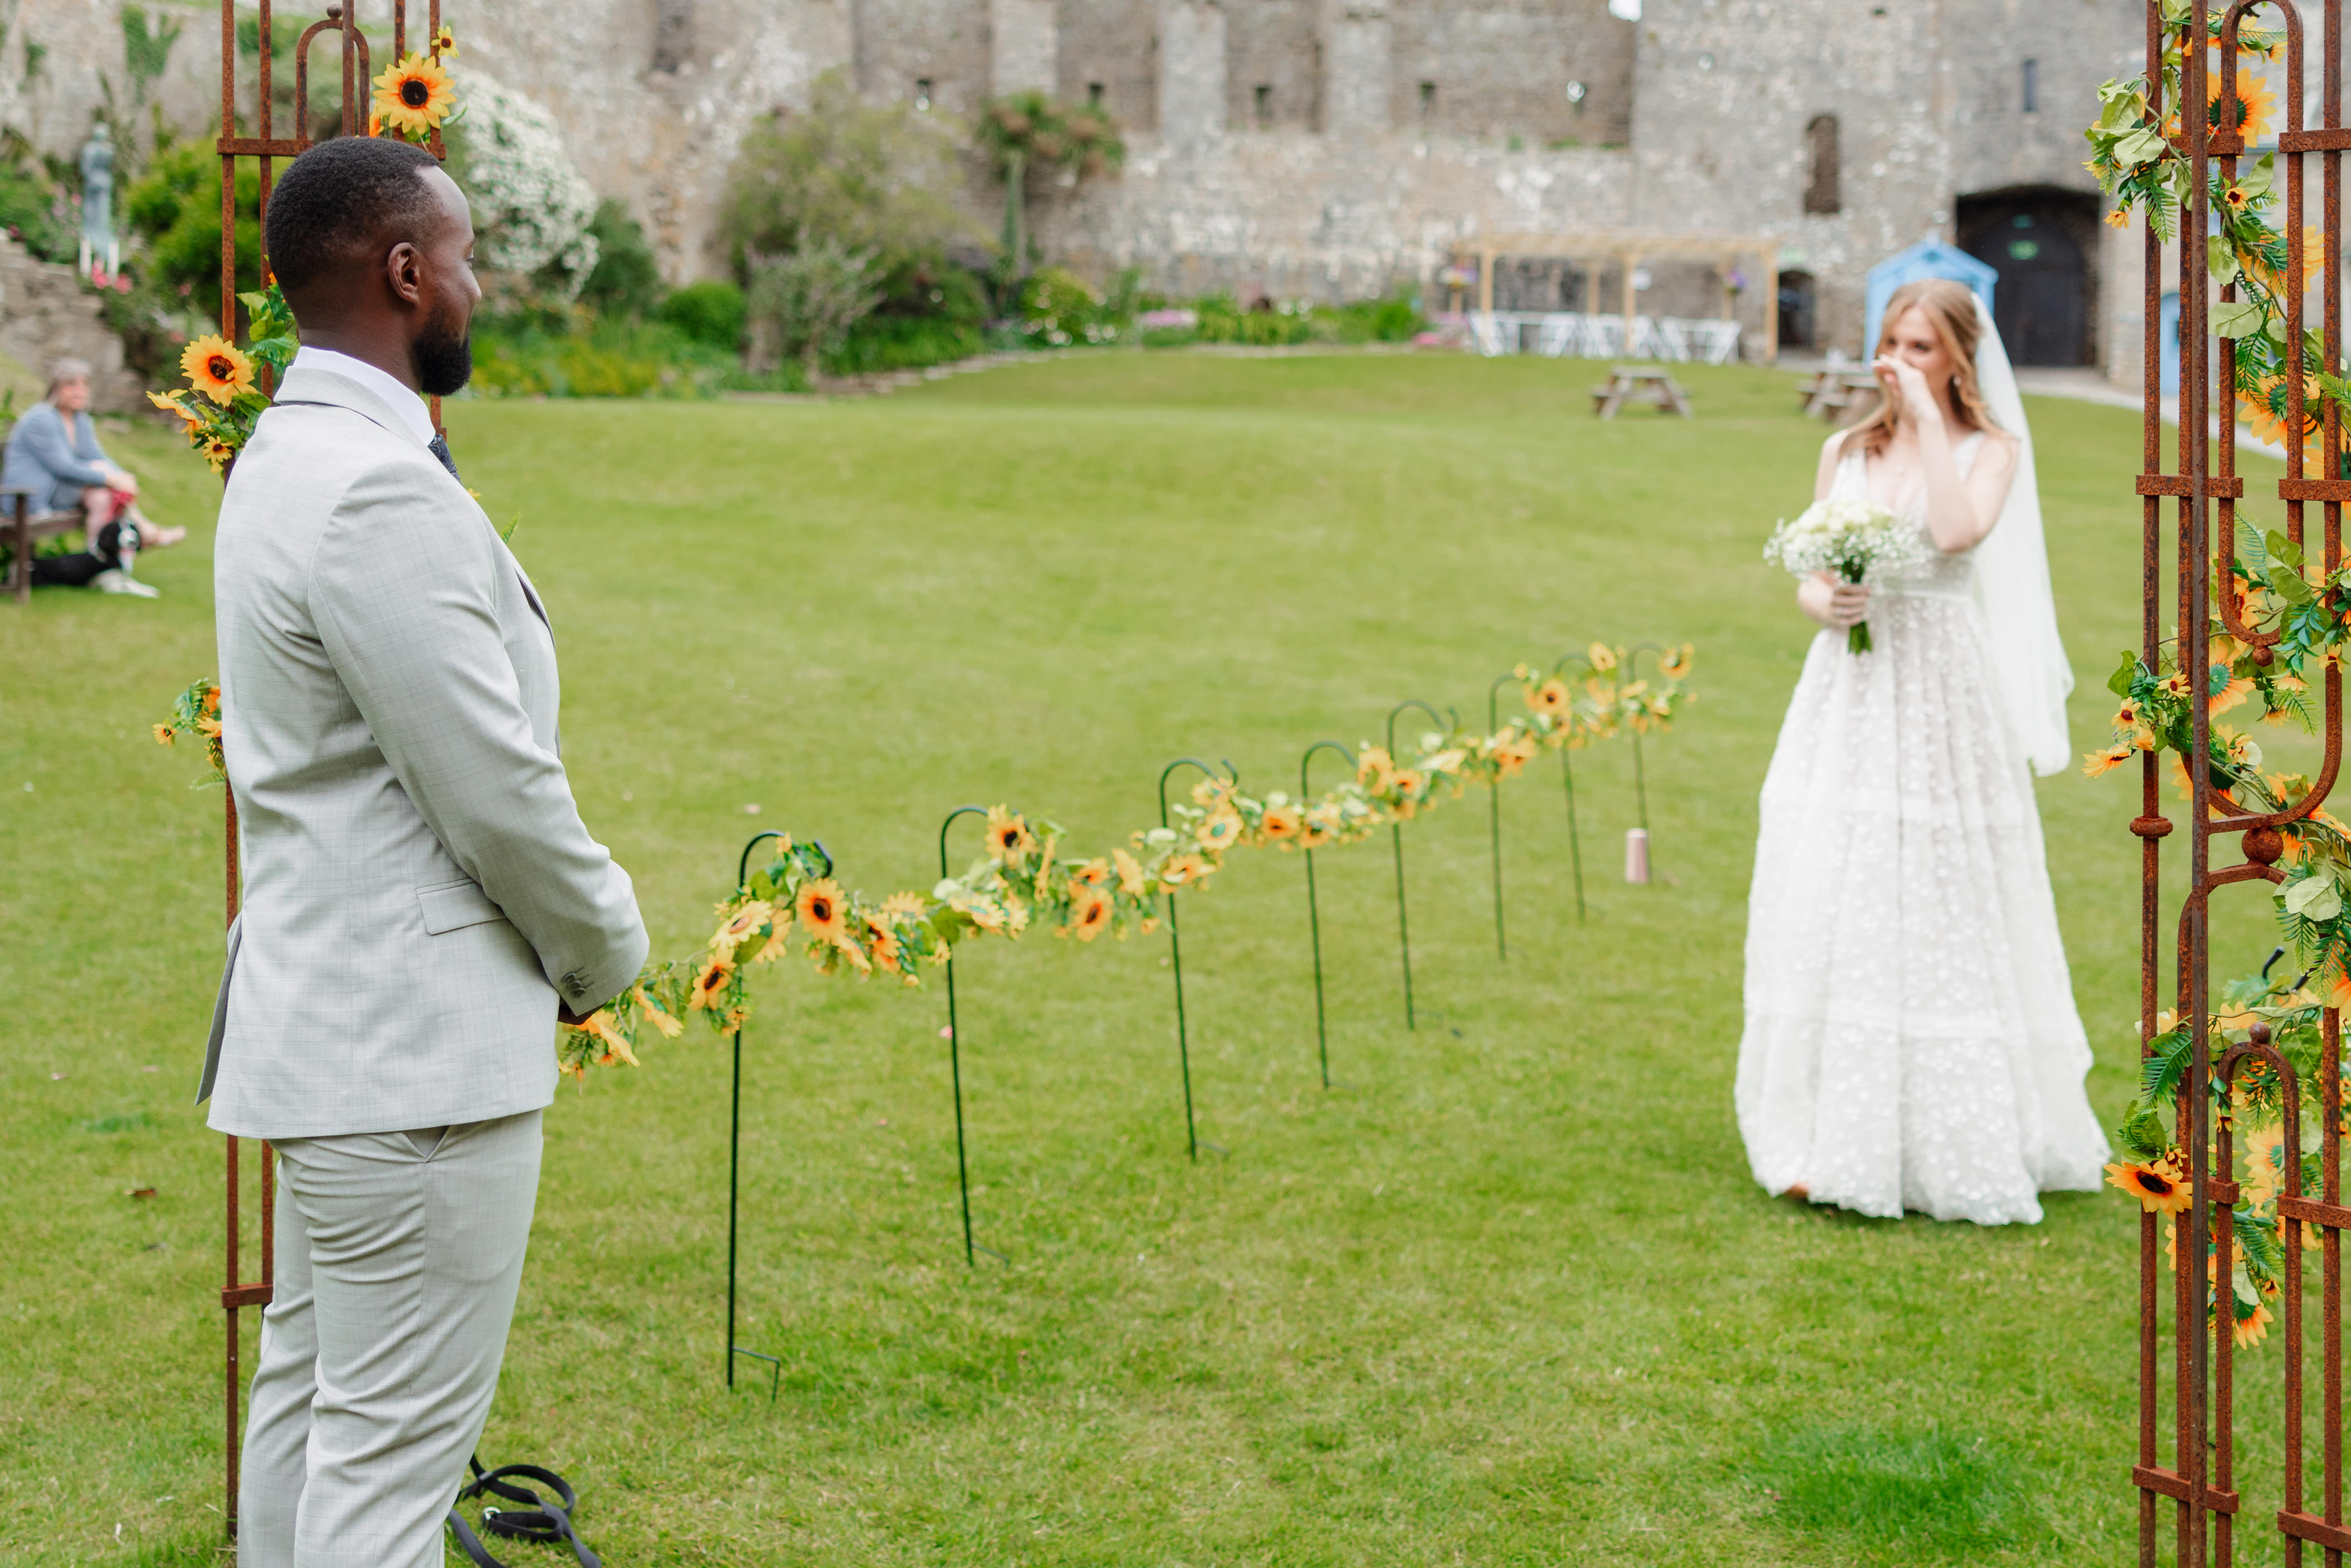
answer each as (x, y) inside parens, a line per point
(444, 357)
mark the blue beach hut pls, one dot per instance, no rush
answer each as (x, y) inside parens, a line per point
(1929, 258)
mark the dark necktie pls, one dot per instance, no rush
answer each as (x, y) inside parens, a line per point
(440, 448)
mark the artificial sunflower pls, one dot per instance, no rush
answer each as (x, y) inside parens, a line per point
(741, 925)
(415, 96)
(1376, 769)
(710, 984)
(1096, 872)
(216, 368)
(1130, 873)
(444, 43)
(1600, 656)
(655, 1014)
(1675, 662)
(1321, 826)
(821, 909)
(2157, 1184)
(1009, 838)
(1089, 913)
(170, 403)
(2238, 688)
(1211, 792)
(1411, 783)
(2251, 1326)
(1178, 871)
(2255, 104)
(163, 736)
(904, 906)
(218, 454)
(1279, 823)
(1219, 830)
(598, 1025)
(883, 939)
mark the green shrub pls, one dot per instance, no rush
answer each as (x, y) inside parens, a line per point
(626, 280)
(526, 356)
(176, 206)
(35, 212)
(1393, 320)
(1265, 325)
(903, 343)
(710, 314)
(1057, 309)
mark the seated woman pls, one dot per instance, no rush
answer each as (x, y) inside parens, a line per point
(54, 452)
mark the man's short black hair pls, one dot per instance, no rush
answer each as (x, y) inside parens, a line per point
(344, 202)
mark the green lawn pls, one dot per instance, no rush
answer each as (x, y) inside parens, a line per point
(1508, 1296)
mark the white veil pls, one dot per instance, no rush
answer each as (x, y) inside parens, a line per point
(2012, 580)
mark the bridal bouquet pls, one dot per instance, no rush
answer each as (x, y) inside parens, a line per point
(1849, 539)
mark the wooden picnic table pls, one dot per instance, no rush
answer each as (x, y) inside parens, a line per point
(1640, 383)
(1829, 393)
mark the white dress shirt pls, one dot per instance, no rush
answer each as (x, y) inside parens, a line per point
(397, 395)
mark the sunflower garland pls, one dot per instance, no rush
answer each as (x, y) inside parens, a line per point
(2140, 163)
(195, 713)
(218, 407)
(793, 906)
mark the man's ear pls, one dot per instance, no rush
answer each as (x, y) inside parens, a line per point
(403, 273)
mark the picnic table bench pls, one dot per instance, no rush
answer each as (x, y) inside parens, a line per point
(22, 526)
(1640, 385)
(1829, 393)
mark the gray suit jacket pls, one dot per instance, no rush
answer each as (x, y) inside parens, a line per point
(418, 884)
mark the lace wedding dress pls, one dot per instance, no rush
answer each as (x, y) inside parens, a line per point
(1911, 1039)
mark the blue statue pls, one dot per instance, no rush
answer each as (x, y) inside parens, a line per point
(97, 242)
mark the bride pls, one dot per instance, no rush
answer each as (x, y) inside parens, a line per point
(1911, 1039)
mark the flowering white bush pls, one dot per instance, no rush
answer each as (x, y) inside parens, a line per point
(532, 205)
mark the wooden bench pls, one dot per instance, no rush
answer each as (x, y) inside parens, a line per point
(1640, 385)
(24, 528)
(1830, 393)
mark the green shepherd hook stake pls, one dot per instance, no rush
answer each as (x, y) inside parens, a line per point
(1640, 777)
(1494, 816)
(955, 1063)
(1314, 914)
(734, 1150)
(1567, 776)
(1192, 1139)
(1395, 838)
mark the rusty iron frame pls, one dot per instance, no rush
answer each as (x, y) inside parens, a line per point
(343, 19)
(2201, 1480)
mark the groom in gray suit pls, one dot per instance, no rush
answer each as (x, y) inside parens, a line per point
(421, 902)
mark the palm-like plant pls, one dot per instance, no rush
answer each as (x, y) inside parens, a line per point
(1026, 132)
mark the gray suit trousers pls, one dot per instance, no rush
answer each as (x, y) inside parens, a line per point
(398, 1255)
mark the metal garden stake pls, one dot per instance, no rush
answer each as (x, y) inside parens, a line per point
(1396, 840)
(1175, 958)
(1494, 817)
(955, 1061)
(735, 1152)
(1313, 912)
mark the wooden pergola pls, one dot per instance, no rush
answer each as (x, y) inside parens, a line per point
(1629, 248)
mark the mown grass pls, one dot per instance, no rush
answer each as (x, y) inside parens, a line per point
(1507, 1296)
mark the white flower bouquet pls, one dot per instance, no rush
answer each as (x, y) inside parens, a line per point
(1849, 539)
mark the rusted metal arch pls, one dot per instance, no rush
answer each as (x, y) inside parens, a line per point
(2200, 1481)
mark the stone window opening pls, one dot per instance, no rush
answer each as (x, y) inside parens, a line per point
(1427, 101)
(673, 35)
(1261, 105)
(922, 92)
(2033, 86)
(1093, 95)
(1821, 193)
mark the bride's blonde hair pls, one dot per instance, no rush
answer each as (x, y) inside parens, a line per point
(1951, 309)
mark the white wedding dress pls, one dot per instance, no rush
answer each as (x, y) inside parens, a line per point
(1911, 1040)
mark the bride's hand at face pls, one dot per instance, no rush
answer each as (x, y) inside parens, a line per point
(1905, 384)
(1839, 606)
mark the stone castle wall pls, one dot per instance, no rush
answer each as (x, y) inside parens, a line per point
(1329, 148)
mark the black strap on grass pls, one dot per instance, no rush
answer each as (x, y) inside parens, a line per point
(537, 1519)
